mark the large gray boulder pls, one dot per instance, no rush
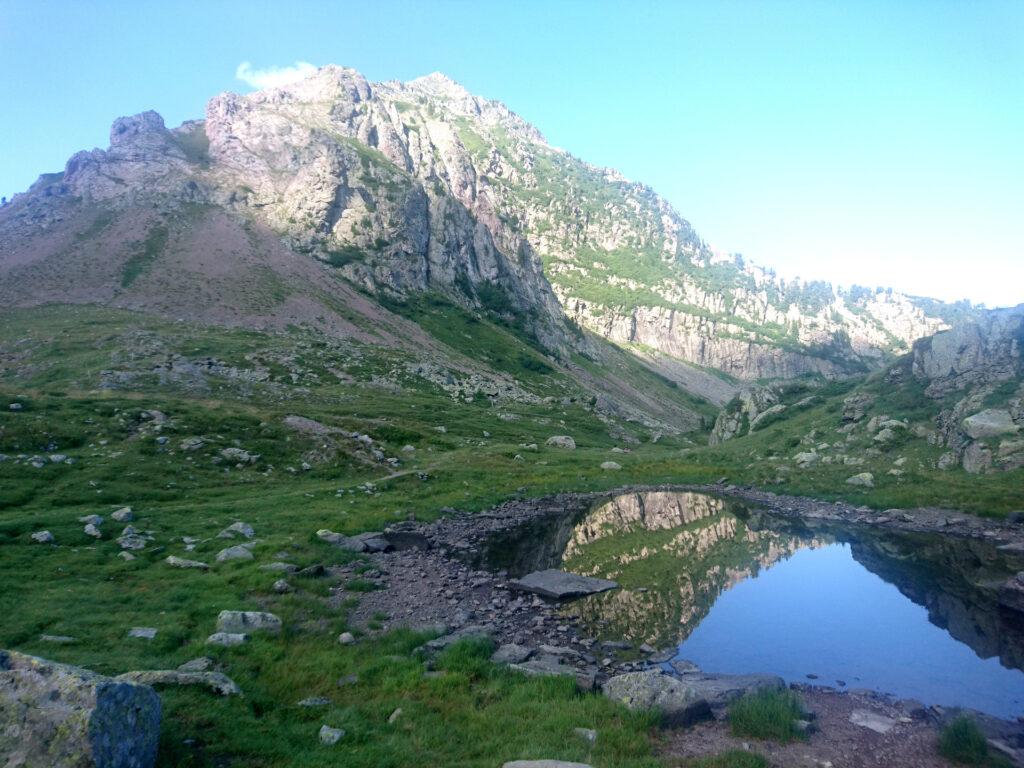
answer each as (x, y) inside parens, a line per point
(992, 422)
(679, 704)
(721, 690)
(242, 622)
(58, 716)
(561, 585)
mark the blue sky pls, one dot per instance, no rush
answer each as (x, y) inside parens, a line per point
(878, 143)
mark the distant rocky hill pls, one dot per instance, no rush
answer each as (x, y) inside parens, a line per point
(312, 203)
(955, 400)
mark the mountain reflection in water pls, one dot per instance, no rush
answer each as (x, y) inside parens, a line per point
(690, 565)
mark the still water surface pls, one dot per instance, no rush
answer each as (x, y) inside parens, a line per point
(738, 590)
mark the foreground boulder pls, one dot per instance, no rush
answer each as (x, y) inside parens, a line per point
(59, 716)
(243, 622)
(561, 585)
(679, 704)
(684, 699)
(217, 682)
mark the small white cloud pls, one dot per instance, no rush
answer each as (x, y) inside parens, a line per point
(273, 77)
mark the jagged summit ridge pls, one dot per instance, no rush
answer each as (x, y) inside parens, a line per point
(422, 186)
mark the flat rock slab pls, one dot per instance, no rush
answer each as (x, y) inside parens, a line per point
(217, 682)
(561, 585)
(243, 622)
(865, 718)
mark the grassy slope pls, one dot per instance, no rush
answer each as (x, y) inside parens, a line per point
(52, 359)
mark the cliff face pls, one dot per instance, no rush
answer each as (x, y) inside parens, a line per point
(409, 187)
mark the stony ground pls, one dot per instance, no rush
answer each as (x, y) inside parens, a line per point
(447, 586)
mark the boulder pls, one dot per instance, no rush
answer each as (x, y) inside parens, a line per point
(330, 736)
(240, 528)
(123, 515)
(679, 704)
(244, 622)
(217, 682)
(977, 458)
(806, 458)
(561, 585)
(992, 422)
(863, 480)
(42, 537)
(350, 543)
(561, 441)
(510, 653)
(234, 553)
(610, 465)
(721, 690)
(60, 716)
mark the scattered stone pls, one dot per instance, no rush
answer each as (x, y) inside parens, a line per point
(57, 639)
(394, 715)
(217, 682)
(863, 479)
(282, 587)
(315, 571)
(131, 539)
(201, 664)
(15, 407)
(610, 465)
(42, 537)
(61, 716)
(239, 456)
(227, 639)
(589, 735)
(330, 736)
(243, 529)
(561, 441)
(126, 556)
(145, 633)
(234, 553)
(510, 653)
(315, 701)
(561, 585)
(346, 638)
(91, 520)
(873, 721)
(180, 562)
(192, 444)
(279, 566)
(92, 530)
(247, 621)
(123, 515)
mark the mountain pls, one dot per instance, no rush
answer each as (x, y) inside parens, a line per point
(333, 202)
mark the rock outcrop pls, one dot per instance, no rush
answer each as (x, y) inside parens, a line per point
(401, 188)
(58, 716)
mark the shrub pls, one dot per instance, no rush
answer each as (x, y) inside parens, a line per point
(767, 714)
(963, 742)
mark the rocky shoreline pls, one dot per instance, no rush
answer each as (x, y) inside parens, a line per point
(442, 576)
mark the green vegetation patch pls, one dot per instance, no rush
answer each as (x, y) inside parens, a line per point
(767, 714)
(144, 256)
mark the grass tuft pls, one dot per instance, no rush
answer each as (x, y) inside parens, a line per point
(734, 758)
(767, 714)
(962, 741)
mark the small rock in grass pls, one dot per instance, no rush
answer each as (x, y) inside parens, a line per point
(281, 586)
(234, 553)
(348, 680)
(315, 701)
(244, 529)
(330, 736)
(610, 465)
(42, 537)
(123, 515)
(180, 562)
(201, 664)
(589, 735)
(126, 556)
(144, 633)
(91, 520)
(57, 639)
(92, 530)
(395, 715)
(248, 621)
(227, 639)
(346, 638)
(280, 566)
